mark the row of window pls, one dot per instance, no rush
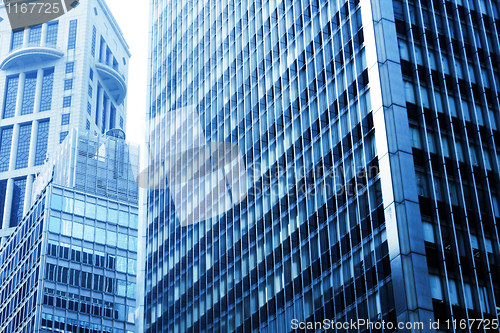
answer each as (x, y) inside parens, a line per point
(93, 306)
(87, 280)
(92, 257)
(66, 325)
(92, 234)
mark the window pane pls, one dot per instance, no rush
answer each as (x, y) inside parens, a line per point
(121, 264)
(134, 221)
(55, 224)
(113, 216)
(121, 288)
(79, 207)
(131, 290)
(123, 219)
(68, 205)
(88, 234)
(100, 236)
(101, 213)
(56, 202)
(66, 227)
(90, 210)
(122, 241)
(78, 230)
(132, 266)
(132, 243)
(111, 239)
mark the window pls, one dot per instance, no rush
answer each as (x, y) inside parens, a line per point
(90, 91)
(122, 241)
(112, 117)
(41, 142)
(17, 201)
(87, 125)
(70, 66)
(66, 101)
(94, 35)
(9, 106)
(121, 122)
(436, 290)
(72, 34)
(23, 146)
(63, 136)
(65, 119)
(29, 93)
(68, 84)
(5, 147)
(17, 40)
(52, 30)
(91, 75)
(47, 84)
(35, 36)
(89, 108)
(104, 113)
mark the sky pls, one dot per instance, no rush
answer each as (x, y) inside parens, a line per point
(133, 21)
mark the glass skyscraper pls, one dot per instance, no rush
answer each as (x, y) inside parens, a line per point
(369, 134)
(68, 73)
(71, 264)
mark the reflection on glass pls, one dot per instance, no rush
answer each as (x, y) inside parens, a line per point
(56, 202)
(100, 236)
(101, 213)
(88, 233)
(111, 238)
(79, 207)
(122, 241)
(55, 224)
(78, 230)
(90, 210)
(68, 205)
(123, 219)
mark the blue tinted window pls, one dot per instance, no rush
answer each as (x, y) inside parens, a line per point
(66, 101)
(72, 34)
(17, 201)
(112, 117)
(9, 106)
(65, 119)
(3, 189)
(94, 36)
(35, 36)
(52, 30)
(90, 91)
(17, 40)
(68, 84)
(89, 108)
(121, 122)
(87, 126)
(56, 202)
(97, 105)
(5, 146)
(91, 75)
(70, 66)
(29, 93)
(41, 142)
(47, 84)
(104, 113)
(63, 136)
(23, 146)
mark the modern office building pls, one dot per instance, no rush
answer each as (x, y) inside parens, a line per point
(70, 265)
(68, 73)
(369, 131)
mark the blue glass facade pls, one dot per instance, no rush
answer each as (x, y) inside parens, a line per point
(370, 139)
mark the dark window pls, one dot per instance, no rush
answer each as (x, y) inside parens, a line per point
(65, 119)
(63, 136)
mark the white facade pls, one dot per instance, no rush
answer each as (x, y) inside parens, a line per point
(93, 93)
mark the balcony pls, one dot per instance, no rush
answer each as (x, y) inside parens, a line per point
(30, 55)
(113, 81)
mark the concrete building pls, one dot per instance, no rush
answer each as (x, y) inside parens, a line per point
(370, 135)
(71, 263)
(68, 73)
